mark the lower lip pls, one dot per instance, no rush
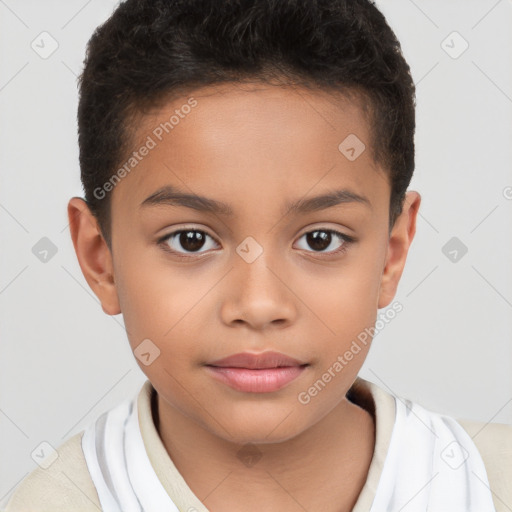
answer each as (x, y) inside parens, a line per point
(256, 381)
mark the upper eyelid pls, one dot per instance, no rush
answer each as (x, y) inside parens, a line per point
(203, 230)
(179, 230)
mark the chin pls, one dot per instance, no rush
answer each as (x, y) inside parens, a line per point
(260, 429)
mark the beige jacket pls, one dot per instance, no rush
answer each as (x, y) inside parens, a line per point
(66, 484)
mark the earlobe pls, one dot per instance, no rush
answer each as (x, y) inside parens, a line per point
(400, 240)
(94, 256)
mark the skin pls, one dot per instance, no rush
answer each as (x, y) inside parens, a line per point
(254, 147)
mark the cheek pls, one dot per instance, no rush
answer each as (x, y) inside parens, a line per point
(345, 298)
(160, 303)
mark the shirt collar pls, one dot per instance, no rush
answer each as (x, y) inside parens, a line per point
(379, 403)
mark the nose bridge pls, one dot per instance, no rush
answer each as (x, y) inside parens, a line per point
(257, 267)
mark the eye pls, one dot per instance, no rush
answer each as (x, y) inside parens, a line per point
(191, 240)
(185, 242)
(321, 239)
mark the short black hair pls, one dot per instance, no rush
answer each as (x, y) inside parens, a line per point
(149, 51)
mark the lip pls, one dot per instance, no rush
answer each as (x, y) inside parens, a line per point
(260, 361)
(256, 373)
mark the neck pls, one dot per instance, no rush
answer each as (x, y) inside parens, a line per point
(323, 468)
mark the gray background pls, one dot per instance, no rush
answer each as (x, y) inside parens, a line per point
(63, 361)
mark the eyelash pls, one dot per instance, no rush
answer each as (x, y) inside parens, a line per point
(347, 241)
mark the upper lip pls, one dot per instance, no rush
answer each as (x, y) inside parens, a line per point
(256, 361)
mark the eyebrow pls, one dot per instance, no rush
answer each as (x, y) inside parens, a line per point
(172, 196)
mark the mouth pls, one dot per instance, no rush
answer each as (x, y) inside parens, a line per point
(256, 373)
(259, 361)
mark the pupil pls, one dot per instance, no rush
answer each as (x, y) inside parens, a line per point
(191, 240)
(319, 240)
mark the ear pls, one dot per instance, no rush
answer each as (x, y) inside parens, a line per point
(400, 240)
(93, 254)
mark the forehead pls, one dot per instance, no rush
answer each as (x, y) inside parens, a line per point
(237, 141)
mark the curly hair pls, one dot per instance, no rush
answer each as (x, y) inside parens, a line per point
(149, 51)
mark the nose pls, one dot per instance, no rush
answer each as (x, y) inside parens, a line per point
(258, 294)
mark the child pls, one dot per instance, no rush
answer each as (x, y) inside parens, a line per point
(276, 137)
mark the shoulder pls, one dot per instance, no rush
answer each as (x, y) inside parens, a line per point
(64, 485)
(494, 442)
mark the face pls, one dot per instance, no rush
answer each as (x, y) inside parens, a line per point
(197, 281)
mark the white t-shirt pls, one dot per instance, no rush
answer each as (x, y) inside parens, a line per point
(67, 484)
